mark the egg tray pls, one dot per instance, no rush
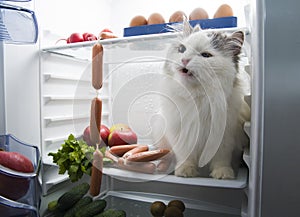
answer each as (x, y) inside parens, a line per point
(216, 23)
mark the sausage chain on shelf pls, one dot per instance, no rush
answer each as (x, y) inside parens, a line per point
(95, 120)
(134, 157)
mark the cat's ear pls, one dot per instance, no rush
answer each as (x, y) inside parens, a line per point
(187, 28)
(236, 41)
(197, 28)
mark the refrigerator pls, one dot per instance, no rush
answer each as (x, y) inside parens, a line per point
(46, 91)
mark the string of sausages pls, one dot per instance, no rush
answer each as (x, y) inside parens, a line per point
(135, 157)
(95, 120)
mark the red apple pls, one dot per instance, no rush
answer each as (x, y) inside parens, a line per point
(119, 126)
(104, 132)
(121, 134)
(86, 135)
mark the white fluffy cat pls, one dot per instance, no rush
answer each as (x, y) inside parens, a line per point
(202, 104)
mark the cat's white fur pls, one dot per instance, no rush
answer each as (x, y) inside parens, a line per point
(190, 100)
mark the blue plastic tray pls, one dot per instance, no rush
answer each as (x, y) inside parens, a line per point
(216, 23)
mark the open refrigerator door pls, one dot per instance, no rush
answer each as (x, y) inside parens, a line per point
(20, 193)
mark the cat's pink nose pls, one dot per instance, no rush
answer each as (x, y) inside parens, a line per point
(185, 61)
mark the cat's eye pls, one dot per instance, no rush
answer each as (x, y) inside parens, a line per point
(181, 48)
(206, 54)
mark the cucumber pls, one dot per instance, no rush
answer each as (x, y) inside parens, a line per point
(97, 206)
(55, 213)
(112, 213)
(68, 199)
(52, 205)
(80, 204)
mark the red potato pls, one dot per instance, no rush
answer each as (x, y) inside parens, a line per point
(16, 161)
(96, 176)
(148, 155)
(97, 64)
(120, 150)
(138, 149)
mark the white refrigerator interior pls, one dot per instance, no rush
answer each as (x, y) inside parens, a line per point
(46, 92)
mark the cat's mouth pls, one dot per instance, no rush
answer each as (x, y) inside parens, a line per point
(185, 72)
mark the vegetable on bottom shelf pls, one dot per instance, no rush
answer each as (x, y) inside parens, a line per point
(175, 208)
(77, 203)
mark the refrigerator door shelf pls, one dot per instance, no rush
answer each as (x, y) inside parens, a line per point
(19, 191)
(9, 208)
(12, 144)
(17, 25)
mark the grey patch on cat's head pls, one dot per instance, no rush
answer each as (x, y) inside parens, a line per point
(229, 45)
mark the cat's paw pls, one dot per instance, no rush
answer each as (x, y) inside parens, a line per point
(222, 173)
(187, 170)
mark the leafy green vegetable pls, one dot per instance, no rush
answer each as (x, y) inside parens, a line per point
(75, 157)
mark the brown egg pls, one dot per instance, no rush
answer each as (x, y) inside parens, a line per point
(224, 11)
(177, 16)
(198, 14)
(156, 18)
(138, 20)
